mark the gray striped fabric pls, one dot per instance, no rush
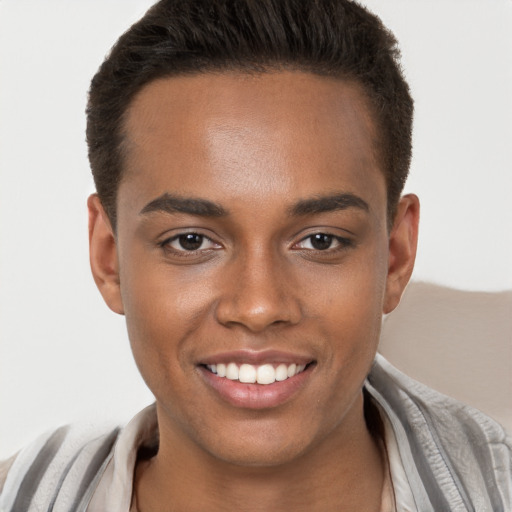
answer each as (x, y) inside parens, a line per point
(57, 473)
(34, 475)
(456, 458)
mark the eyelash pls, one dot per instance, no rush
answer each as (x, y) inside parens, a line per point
(342, 243)
(166, 244)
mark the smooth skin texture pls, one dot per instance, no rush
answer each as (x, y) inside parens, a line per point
(232, 236)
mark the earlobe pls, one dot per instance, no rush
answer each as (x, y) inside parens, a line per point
(103, 255)
(402, 250)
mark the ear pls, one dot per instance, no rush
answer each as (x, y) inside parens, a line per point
(402, 250)
(103, 255)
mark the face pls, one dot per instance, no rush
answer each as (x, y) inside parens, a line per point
(252, 260)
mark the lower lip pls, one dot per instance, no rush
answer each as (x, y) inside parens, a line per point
(256, 396)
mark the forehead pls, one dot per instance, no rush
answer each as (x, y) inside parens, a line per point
(298, 133)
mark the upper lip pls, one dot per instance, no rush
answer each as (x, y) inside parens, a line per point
(256, 357)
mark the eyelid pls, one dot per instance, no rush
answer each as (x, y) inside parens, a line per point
(166, 241)
(204, 239)
(342, 242)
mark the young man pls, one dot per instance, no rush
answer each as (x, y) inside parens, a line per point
(249, 159)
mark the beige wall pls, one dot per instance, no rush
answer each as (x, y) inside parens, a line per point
(457, 342)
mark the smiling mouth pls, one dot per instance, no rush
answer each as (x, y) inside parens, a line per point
(257, 380)
(256, 374)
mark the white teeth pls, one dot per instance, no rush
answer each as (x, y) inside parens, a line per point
(247, 374)
(221, 370)
(266, 374)
(232, 372)
(281, 372)
(292, 370)
(250, 374)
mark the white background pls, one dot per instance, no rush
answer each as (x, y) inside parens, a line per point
(63, 355)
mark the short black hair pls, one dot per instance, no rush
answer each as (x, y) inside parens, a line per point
(335, 38)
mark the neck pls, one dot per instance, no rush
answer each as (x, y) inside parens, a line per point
(342, 472)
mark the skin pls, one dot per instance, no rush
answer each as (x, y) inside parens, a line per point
(256, 146)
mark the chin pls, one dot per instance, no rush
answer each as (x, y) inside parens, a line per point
(258, 451)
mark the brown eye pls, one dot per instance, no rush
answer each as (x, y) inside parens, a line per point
(190, 241)
(321, 241)
(324, 242)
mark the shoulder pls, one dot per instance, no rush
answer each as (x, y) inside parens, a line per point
(63, 462)
(5, 466)
(455, 456)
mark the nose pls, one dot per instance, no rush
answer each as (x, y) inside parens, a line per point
(258, 293)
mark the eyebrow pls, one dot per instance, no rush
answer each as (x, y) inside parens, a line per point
(330, 203)
(169, 203)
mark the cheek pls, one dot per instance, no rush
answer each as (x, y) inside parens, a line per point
(355, 306)
(162, 310)
(157, 296)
